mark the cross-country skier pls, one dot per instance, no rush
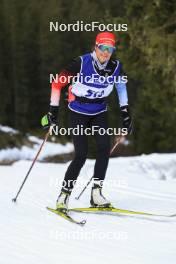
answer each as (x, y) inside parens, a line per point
(88, 107)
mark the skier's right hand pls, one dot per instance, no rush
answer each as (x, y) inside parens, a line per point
(50, 119)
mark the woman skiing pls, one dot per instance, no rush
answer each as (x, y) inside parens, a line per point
(88, 107)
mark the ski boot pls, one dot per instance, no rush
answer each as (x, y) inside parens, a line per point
(62, 201)
(97, 199)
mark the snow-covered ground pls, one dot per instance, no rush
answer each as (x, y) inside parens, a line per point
(31, 234)
(29, 153)
(8, 129)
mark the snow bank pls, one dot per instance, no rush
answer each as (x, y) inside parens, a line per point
(7, 129)
(158, 166)
(28, 153)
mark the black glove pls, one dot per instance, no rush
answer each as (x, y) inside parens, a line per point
(126, 118)
(50, 119)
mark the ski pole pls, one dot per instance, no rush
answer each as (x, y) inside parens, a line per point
(45, 139)
(111, 151)
(116, 144)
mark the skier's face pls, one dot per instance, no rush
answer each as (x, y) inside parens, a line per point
(102, 56)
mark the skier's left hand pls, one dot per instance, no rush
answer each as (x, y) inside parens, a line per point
(126, 118)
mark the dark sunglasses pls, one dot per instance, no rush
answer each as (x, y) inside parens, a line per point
(109, 49)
